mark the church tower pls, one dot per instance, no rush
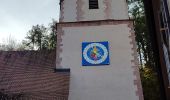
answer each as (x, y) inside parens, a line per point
(96, 41)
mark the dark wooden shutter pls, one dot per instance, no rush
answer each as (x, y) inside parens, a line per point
(93, 4)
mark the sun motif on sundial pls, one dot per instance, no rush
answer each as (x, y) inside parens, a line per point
(95, 53)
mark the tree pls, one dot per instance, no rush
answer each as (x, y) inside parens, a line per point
(53, 34)
(10, 44)
(148, 72)
(35, 37)
(31, 40)
(40, 37)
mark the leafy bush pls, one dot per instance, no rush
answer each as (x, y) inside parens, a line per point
(150, 84)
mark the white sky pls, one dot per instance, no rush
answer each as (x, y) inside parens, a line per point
(18, 16)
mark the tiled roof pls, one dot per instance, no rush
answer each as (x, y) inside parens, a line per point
(31, 74)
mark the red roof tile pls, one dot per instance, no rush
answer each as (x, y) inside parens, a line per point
(31, 73)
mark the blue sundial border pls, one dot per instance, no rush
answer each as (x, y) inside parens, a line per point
(105, 62)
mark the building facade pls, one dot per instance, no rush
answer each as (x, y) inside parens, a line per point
(102, 26)
(157, 14)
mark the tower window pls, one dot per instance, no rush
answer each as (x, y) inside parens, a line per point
(93, 4)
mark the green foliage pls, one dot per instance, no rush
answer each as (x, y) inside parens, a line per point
(36, 36)
(150, 84)
(53, 35)
(148, 72)
(40, 37)
(136, 10)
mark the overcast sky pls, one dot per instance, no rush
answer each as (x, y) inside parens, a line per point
(18, 16)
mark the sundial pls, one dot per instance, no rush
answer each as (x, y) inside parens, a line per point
(95, 53)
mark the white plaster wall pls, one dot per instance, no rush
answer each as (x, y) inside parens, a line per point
(110, 82)
(69, 10)
(118, 10)
(93, 14)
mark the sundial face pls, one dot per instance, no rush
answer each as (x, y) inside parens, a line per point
(95, 53)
